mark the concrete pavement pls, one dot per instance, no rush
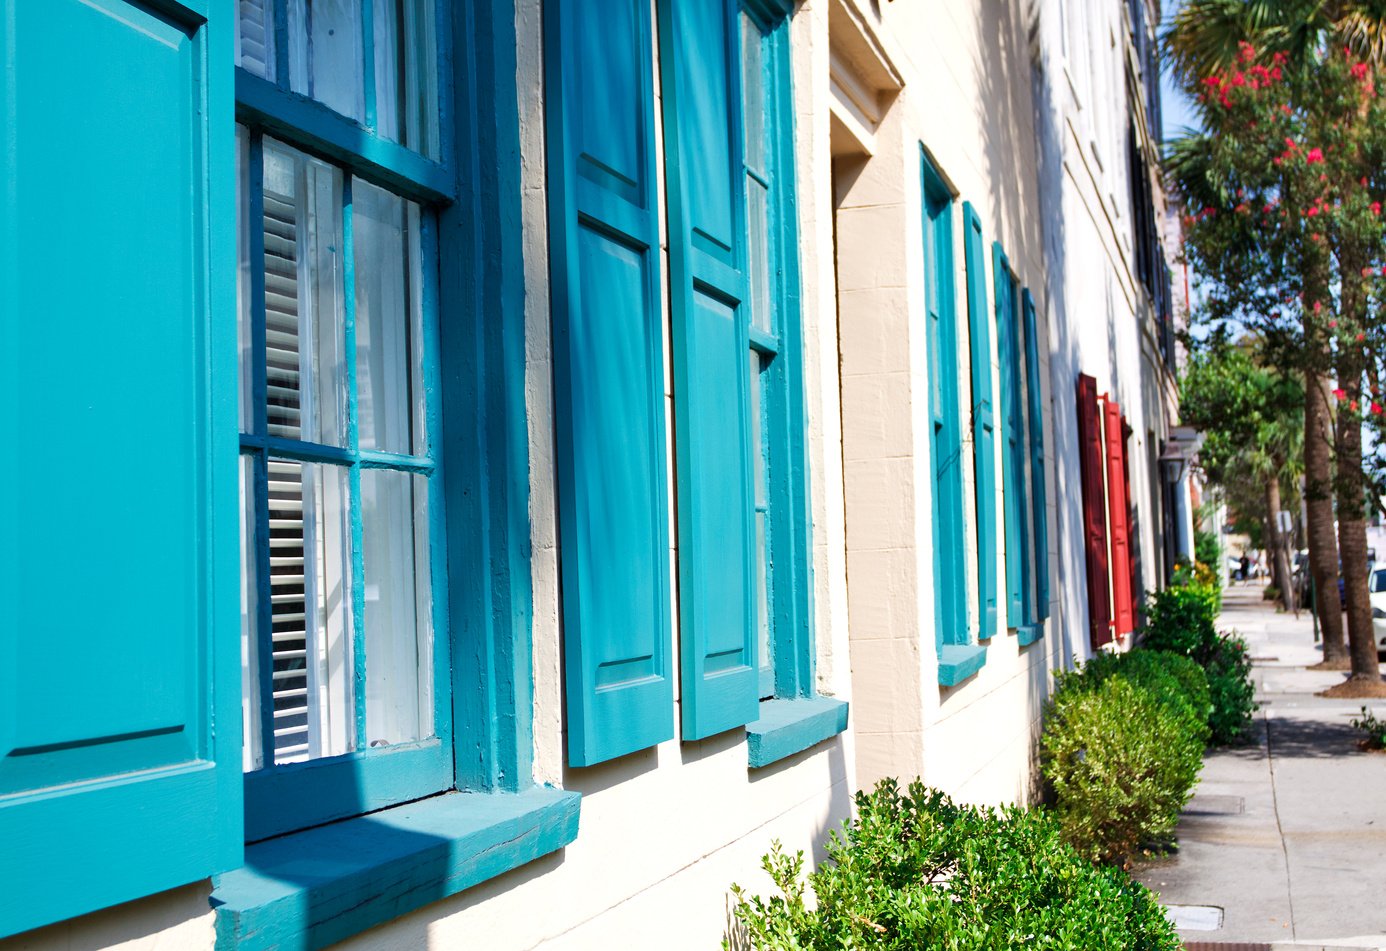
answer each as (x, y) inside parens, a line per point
(1284, 842)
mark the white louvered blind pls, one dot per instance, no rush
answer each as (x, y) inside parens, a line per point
(255, 38)
(287, 535)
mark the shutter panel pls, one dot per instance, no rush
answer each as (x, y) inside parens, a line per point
(1012, 427)
(1118, 516)
(983, 419)
(1039, 497)
(119, 686)
(608, 378)
(708, 290)
(1091, 453)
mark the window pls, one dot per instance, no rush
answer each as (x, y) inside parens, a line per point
(983, 422)
(1039, 496)
(342, 207)
(776, 404)
(1015, 459)
(734, 403)
(959, 658)
(1022, 404)
(344, 645)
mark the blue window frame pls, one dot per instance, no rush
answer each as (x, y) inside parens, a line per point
(958, 656)
(983, 422)
(1039, 507)
(792, 716)
(1027, 561)
(784, 647)
(1015, 446)
(345, 644)
(146, 791)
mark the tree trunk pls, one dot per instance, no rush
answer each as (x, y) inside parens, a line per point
(1318, 505)
(1352, 545)
(1275, 543)
(1351, 488)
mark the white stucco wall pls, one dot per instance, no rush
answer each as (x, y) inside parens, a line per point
(966, 97)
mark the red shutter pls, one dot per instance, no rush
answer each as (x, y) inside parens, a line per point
(1119, 519)
(1090, 455)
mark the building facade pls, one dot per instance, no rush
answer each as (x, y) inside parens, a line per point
(597, 437)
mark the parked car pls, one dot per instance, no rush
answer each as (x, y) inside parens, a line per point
(1376, 584)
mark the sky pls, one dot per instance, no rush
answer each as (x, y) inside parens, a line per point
(1177, 108)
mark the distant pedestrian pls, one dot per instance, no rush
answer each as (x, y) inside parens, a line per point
(1246, 567)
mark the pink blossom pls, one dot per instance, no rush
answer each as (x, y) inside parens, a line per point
(1340, 394)
(1315, 155)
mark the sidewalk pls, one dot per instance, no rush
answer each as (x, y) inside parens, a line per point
(1284, 842)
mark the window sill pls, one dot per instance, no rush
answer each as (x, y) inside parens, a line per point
(1027, 634)
(323, 885)
(957, 662)
(787, 727)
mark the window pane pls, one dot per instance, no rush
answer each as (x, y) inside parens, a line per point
(758, 221)
(399, 630)
(247, 411)
(325, 59)
(762, 569)
(385, 317)
(389, 68)
(310, 588)
(753, 93)
(406, 66)
(251, 748)
(255, 38)
(305, 357)
(419, 100)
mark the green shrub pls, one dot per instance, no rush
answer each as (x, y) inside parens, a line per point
(1228, 666)
(1173, 679)
(1122, 748)
(1374, 729)
(917, 871)
(1183, 621)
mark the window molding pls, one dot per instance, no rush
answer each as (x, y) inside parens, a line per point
(796, 717)
(983, 415)
(498, 819)
(958, 657)
(321, 886)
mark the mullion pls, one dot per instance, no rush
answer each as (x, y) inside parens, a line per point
(427, 368)
(764, 343)
(368, 60)
(280, 13)
(264, 599)
(358, 588)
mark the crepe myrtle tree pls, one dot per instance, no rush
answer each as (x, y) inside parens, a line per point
(1283, 224)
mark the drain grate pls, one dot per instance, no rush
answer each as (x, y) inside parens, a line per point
(1195, 917)
(1215, 806)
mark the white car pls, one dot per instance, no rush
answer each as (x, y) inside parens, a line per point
(1376, 584)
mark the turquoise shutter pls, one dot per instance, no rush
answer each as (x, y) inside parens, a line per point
(120, 679)
(1013, 423)
(703, 171)
(608, 378)
(1038, 496)
(983, 419)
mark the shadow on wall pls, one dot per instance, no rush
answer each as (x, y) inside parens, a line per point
(1023, 151)
(839, 810)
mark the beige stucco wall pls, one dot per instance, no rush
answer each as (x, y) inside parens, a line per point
(965, 96)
